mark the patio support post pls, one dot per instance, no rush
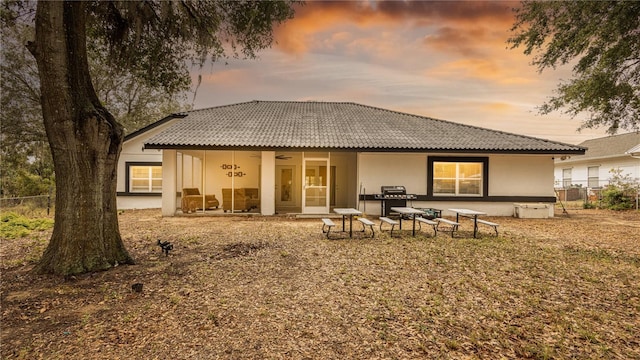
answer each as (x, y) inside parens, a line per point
(268, 183)
(169, 190)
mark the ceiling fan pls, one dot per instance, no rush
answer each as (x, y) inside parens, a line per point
(279, 157)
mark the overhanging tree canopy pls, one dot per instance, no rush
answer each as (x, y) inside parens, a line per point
(601, 39)
(24, 150)
(152, 40)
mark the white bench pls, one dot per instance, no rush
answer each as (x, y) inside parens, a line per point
(452, 225)
(488, 223)
(366, 222)
(433, 224)
(389, 221)
(327, 225)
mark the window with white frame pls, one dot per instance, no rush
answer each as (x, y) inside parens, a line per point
(144, 177)
(566, 178)
(593, 173)
(458, 178)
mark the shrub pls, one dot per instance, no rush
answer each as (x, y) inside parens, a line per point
(615, 199)
(621, 191)
(14, 226)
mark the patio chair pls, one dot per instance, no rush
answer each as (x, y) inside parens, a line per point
(192, 200)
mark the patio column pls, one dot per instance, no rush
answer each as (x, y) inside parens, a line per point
(169, 166)
(268, 183)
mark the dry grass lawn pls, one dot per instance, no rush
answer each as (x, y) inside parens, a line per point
(275, 288)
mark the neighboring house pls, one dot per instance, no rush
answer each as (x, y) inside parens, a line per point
(592, 170)
(274, 157)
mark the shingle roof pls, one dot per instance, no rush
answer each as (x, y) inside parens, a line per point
(609, 146)
(337, 126)
(153, 125)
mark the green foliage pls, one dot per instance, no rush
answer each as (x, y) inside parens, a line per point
(24, 147)
(13, 225)
(26, 157)
(139, 71)
(27, 184)
(156, 40)
(615, 199)
(621, 192)
(149, 42)
(132, 102)
(600, 40)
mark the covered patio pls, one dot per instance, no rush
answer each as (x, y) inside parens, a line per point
(258, 182)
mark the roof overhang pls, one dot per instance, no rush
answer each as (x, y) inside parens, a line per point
(154, 125)
(394, 150)
(339, 127)
(634, 151)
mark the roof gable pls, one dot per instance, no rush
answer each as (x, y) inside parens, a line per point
(154, 125)
(634, 151)
(609, 146)
(338, 126)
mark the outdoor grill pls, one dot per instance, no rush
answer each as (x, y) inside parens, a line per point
(393, 196)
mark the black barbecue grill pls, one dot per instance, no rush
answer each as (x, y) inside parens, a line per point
(393, 196)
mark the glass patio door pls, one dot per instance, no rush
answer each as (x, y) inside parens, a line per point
(315, 199)
(285, 186)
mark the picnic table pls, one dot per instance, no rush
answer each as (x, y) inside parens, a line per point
(408, 211)
(350, 212)
(469, 213)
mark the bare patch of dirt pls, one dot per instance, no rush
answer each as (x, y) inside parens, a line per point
(239, 249)
(257, 288)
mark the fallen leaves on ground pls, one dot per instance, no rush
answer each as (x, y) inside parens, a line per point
(274, 287)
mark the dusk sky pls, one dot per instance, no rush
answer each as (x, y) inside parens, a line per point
(446, 60)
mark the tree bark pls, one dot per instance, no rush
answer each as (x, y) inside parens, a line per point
(85, 142)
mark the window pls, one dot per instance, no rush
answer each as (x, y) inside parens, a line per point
(144, 177)
(593, 180)
(566, 178)
(458, 177)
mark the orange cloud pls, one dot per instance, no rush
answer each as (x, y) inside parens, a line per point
(501, 107)
(295, 36)
(465, 68)
(228, 77)
(454, 40)
(486, 69)
(465, 28)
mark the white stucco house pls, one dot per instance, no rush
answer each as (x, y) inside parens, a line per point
(591, 170)
(139, 170)
(275, 157)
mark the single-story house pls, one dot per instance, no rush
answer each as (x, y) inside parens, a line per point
(139, 170)
(591, 170)
(276, 157)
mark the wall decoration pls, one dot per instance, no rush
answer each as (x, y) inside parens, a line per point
(233, 173)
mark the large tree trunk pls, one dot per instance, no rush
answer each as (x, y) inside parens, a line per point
(85, 143)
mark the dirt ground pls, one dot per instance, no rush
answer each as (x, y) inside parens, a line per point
(275, 288)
